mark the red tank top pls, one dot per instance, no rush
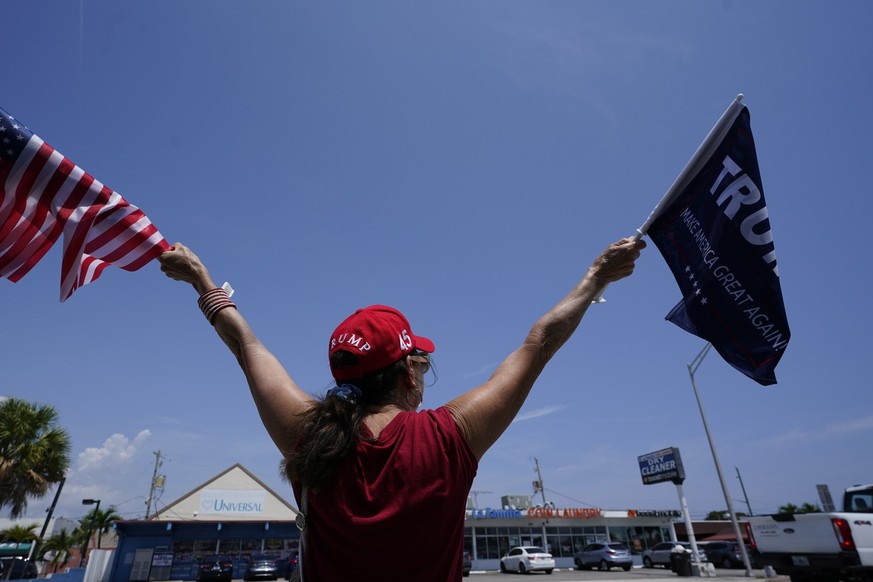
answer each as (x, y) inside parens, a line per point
(395, 510)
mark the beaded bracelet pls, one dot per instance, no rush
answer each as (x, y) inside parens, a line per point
(213, 301)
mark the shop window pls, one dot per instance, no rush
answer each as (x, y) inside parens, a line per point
(565, 542)
(532, 537)
(183, 550)
(203, 548)
(275, 548)
(249, 546)
(481, 547)
(578, 542)
(230, 547)
(620, 534)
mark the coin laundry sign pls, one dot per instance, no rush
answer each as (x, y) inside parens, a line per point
(663, 465)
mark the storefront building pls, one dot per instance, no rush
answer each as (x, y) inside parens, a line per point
(562, 531)
(234, 514)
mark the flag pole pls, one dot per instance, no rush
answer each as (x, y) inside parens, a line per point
(700, 157)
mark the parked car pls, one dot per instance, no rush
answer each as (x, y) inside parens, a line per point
(262, 567)
(468, 563)
(216, 568)
(725, 554)
(22, 569)
(604, 556)
(659, 554)
(524, 559)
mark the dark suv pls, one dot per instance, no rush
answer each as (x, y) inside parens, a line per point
(725, 554)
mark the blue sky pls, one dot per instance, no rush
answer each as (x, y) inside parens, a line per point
(464, 162)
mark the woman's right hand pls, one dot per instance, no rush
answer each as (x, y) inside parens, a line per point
(180, 263)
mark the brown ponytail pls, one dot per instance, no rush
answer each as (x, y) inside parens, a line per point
(332, 426)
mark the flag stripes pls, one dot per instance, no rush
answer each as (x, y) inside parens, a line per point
(45, 196)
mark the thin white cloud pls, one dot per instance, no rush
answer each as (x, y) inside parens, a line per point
(797, 435)
(537, 413)
(486, 369)
(859, 424)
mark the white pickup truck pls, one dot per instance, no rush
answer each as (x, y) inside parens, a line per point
(819, 547)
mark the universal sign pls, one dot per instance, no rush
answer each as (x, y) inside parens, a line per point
(232, 501)
(663, 465)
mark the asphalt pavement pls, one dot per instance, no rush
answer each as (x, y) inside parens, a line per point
(637, 574)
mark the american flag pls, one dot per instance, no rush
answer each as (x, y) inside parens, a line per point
(46, 195)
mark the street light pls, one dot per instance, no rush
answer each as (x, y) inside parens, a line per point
(692, 368)
(90, 527)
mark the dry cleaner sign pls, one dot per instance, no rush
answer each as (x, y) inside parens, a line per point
(663, 465)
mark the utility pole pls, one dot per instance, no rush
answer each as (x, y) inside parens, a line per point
(539, 483)
(743, 487)
(158, 464)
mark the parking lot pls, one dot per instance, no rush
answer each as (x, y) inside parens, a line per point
(635, 575)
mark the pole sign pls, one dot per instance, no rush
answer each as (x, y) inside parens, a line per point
(824, 494)
(663, 465)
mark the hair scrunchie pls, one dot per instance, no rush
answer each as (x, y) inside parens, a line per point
(348, 392)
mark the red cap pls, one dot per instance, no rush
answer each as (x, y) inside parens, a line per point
(379, 336)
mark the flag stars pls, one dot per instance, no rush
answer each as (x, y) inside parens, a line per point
(695, 286)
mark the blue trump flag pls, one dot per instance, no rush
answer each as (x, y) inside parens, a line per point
(713, 229)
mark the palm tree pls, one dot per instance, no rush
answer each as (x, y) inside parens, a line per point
(19, 534)
(102, 521)
(81, 539)
(34, 452)
(716, 515)
(60, 546)
(809, 508)
(788, 508)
